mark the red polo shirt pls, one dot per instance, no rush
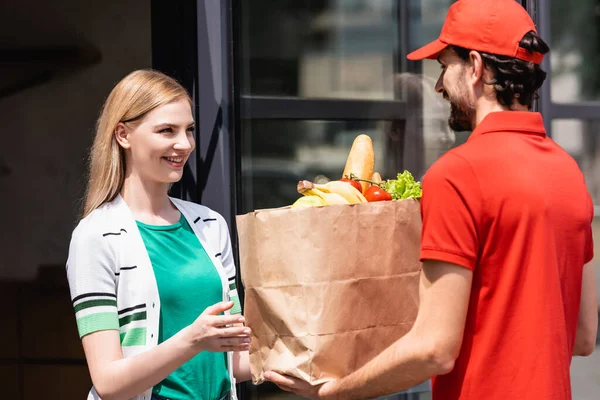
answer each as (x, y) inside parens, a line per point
(513, 207)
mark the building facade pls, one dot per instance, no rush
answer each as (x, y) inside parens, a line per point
(280, 87)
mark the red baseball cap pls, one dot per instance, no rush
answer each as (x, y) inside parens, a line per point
(490, 26)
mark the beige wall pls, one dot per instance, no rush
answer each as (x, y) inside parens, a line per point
(47, 129)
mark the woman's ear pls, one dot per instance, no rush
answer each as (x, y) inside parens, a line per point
(122, 135)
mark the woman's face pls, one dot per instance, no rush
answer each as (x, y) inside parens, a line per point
(159, 146)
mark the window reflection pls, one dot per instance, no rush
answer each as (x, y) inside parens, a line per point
(416, 142)
(575, 50)
(581, 139)
(320, 49)
(277, 154)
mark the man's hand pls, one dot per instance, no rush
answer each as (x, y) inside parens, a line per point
(302, 388)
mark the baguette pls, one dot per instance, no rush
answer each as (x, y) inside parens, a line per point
(361, 160)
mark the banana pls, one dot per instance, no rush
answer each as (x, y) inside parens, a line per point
(344, 189)
(308, 188)
(330, 199)
(308, 201)
(376, 177)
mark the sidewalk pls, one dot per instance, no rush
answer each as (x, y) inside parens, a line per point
(585, 376)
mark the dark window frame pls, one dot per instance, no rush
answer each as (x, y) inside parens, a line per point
(272, 107)
(540, 12)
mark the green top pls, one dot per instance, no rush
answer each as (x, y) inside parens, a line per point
(188, 282)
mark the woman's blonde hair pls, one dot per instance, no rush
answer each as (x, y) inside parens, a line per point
(129, 102)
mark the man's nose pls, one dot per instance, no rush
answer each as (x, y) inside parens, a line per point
(439, 86)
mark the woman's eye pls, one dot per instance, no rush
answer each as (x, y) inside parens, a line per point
(190, 130)
(166, 130)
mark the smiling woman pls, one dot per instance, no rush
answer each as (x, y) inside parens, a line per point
(158, 145)
(133, 105)
(151, 276)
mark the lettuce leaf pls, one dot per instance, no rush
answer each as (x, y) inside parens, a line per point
(405, 187)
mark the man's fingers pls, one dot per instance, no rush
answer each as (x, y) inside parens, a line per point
(218, 308)
(285, 388)
(281, 380)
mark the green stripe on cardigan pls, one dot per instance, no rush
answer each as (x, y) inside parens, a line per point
(134, 337)
(97, 322)
(95, 303)
(139, 316)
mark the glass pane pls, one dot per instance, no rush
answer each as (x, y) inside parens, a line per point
(337, 49)
(581, 139)
(320, 48)
(575, 50)
(584, 370)
(426, 20)
(333, 48)
(277, 154)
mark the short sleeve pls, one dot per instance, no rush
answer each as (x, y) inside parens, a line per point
(92, 282)
(229, 265)
(451, 209)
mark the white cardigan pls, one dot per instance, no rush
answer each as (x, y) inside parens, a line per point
(112, 282)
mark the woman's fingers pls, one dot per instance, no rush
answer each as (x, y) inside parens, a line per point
(240, 347)
(234, 341)
(240, 331)
(218, 308)
(223, 320)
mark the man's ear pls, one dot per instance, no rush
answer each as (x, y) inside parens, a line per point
(122, 135)
(478, 69)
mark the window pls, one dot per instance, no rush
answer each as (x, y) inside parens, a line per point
(581, 139)
(569, 103)
(313, 75)
(575, 41)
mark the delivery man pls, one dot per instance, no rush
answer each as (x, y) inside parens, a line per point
(507, 287)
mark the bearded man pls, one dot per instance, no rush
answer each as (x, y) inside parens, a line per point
(507, 287)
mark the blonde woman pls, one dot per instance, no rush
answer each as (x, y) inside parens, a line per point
(151, 277)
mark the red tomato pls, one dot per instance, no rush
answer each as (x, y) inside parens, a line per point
(354, 183)
(375, 193)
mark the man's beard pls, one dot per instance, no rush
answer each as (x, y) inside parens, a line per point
(461, 116)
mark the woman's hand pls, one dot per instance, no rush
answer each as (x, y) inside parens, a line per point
(115, 377)
(241, 366)
(214, 332)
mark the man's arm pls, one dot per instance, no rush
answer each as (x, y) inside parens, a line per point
(429, 349)
(587, 324)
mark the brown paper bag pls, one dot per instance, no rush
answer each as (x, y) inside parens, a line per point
(328, 288)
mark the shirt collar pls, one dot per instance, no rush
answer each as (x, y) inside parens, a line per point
(511, 121)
